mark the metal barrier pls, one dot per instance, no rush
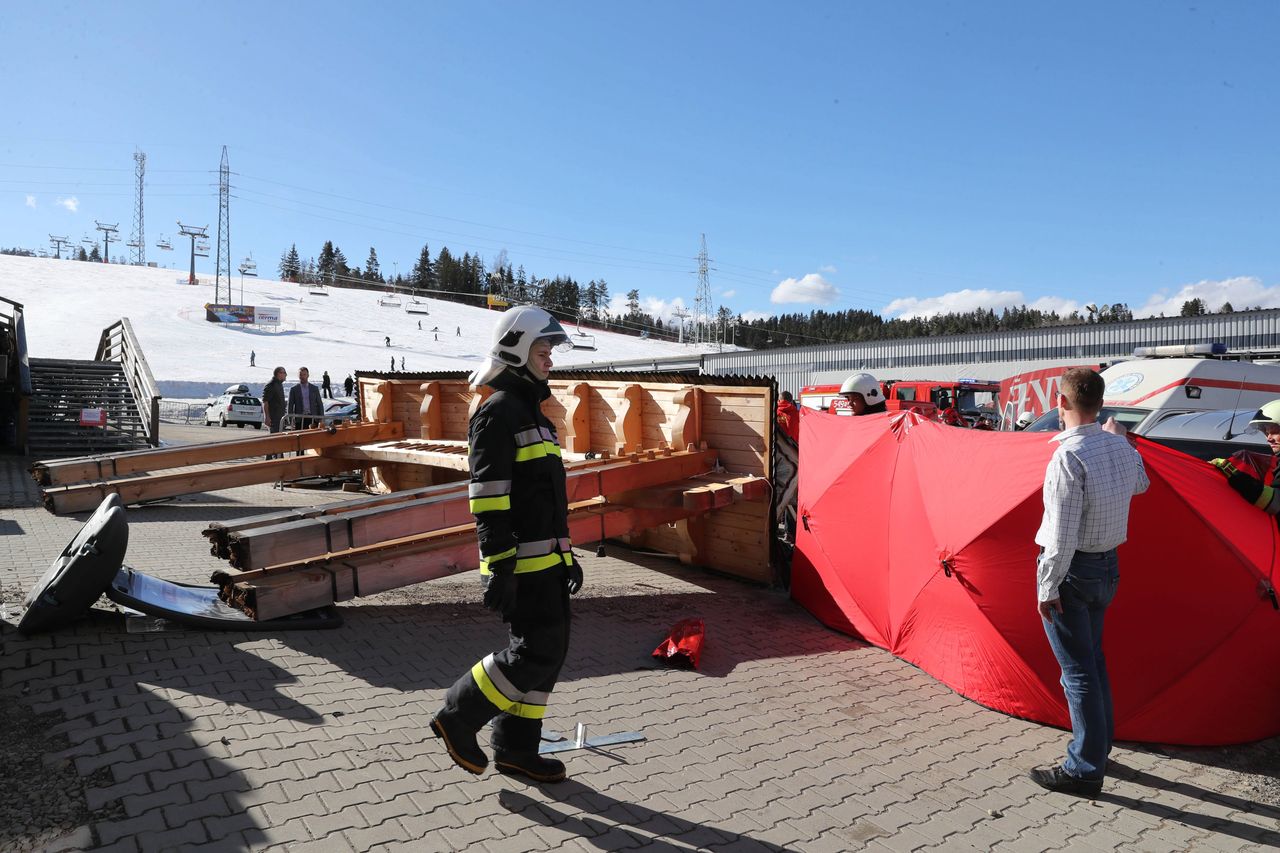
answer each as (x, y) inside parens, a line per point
(176, 412)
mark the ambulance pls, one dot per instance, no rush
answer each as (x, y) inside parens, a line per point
(1161, 382)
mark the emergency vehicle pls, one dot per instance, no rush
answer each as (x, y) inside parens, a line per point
(973, 396)
(1164, 381)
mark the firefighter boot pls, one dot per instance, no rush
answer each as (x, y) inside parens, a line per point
(531, 764)
(461, 743)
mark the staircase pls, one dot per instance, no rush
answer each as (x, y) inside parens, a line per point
(61, 388)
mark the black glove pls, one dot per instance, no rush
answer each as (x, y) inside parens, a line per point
(500, 593)
(573, 580)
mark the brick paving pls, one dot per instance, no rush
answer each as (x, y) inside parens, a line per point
(790, 737)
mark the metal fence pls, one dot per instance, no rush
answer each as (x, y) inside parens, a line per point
(177, 412)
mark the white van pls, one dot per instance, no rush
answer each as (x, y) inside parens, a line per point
(1144, 391)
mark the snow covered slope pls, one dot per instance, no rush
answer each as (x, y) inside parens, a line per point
(69, 303)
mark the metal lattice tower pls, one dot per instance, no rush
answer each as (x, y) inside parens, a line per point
(138, 240)
(224, 231)
(702, 308)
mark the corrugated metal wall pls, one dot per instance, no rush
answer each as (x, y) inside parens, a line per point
(997, 351)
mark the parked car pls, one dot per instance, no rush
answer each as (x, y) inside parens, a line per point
(238, 409)
(341, 411)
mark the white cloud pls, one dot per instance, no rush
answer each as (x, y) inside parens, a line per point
(813, 289)
(729, 294)
(749, 316)
(962, 301)
(31, 201)
(829, 269)
(72, 204)
(1241, 291)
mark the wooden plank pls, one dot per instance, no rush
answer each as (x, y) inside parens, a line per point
(404, 453)
(106, 467)
(135, 489)
(444, 506)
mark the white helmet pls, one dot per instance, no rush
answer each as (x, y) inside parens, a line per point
(1025, 419)
(864, 384)
(513, 336)
(518, 328)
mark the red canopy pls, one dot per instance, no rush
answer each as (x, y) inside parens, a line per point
(919, 538)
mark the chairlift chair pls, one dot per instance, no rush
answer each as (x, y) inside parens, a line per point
(389, 301)
(163, 243)
(317, 290)
(581, 340)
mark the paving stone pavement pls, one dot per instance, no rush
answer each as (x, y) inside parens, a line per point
(789, 737)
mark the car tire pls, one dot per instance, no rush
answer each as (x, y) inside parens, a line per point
(222, 421)
(241, 425)
(257, 426)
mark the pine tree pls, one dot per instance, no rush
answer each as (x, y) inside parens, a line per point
(422, 277)
(95, 255)
(633, 304)
(340, 268)
(326, 266)
(290, 264)
(372, 271)
(81, 254)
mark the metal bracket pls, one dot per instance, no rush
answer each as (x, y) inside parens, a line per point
(559, 743)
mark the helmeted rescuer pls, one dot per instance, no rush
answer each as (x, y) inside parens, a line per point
(863, 393)
(1024, 420)
(517, 494)
(788, 415)
(951, 414)
(1251, 474)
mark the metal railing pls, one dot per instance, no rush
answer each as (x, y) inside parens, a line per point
(118, 343)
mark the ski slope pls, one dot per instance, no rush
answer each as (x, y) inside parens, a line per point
(69, 303)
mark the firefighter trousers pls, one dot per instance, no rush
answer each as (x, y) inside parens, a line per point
(514, 684)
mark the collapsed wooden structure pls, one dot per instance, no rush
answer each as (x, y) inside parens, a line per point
(676, 463)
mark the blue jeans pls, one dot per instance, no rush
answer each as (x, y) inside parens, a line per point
(1075, 635)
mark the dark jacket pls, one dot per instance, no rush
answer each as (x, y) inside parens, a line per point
(315, 406)
(517, 485)
(273, 402)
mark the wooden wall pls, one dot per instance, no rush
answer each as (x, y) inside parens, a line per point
(735, 420)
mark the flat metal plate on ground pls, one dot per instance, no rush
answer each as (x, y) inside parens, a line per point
(591, 742)
(200, 607)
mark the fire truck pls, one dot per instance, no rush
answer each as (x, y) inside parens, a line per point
(974, 397)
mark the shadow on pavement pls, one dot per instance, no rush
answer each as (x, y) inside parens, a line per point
(611, 824)
(1209, 823)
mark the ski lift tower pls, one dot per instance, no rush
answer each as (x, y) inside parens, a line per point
(195, 233)
(108, 234)
(681, 315)
(248, 267)
(58, 243)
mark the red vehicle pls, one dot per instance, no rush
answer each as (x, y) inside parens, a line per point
(919, 395)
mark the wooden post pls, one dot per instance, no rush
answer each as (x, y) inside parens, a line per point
(380, 403)
(577, 421)
(431, 411)
(687, 427)
(478, 396)
(627, 427)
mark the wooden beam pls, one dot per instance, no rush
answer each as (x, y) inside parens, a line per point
(105, 467)
(436, 507)
(437, 454)
(135, 489)
(577, 421)
(290, 588)
(431, 412)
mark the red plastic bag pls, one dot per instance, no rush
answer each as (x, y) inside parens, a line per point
(683, 646)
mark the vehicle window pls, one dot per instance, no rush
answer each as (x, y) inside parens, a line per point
(245, 401)
(906, 393)
(1129, 418)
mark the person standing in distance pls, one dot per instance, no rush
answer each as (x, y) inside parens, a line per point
(273, 407)
(863, 394)
(517, 494)
(304, 400)
(1093, 474)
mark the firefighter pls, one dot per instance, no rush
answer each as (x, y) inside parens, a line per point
(951, 415)
(1261, 491)
(863, 393)
(1024, 420)
(517, 494)
(788, 415)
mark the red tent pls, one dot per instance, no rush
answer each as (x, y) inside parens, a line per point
(918, 537)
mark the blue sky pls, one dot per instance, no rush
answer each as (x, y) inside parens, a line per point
(902, 158)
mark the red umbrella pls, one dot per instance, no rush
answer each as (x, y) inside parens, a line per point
(920, 540)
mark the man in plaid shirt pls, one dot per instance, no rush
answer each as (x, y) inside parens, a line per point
(1087, 486)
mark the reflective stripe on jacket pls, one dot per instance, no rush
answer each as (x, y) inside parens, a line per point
(517, 489)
